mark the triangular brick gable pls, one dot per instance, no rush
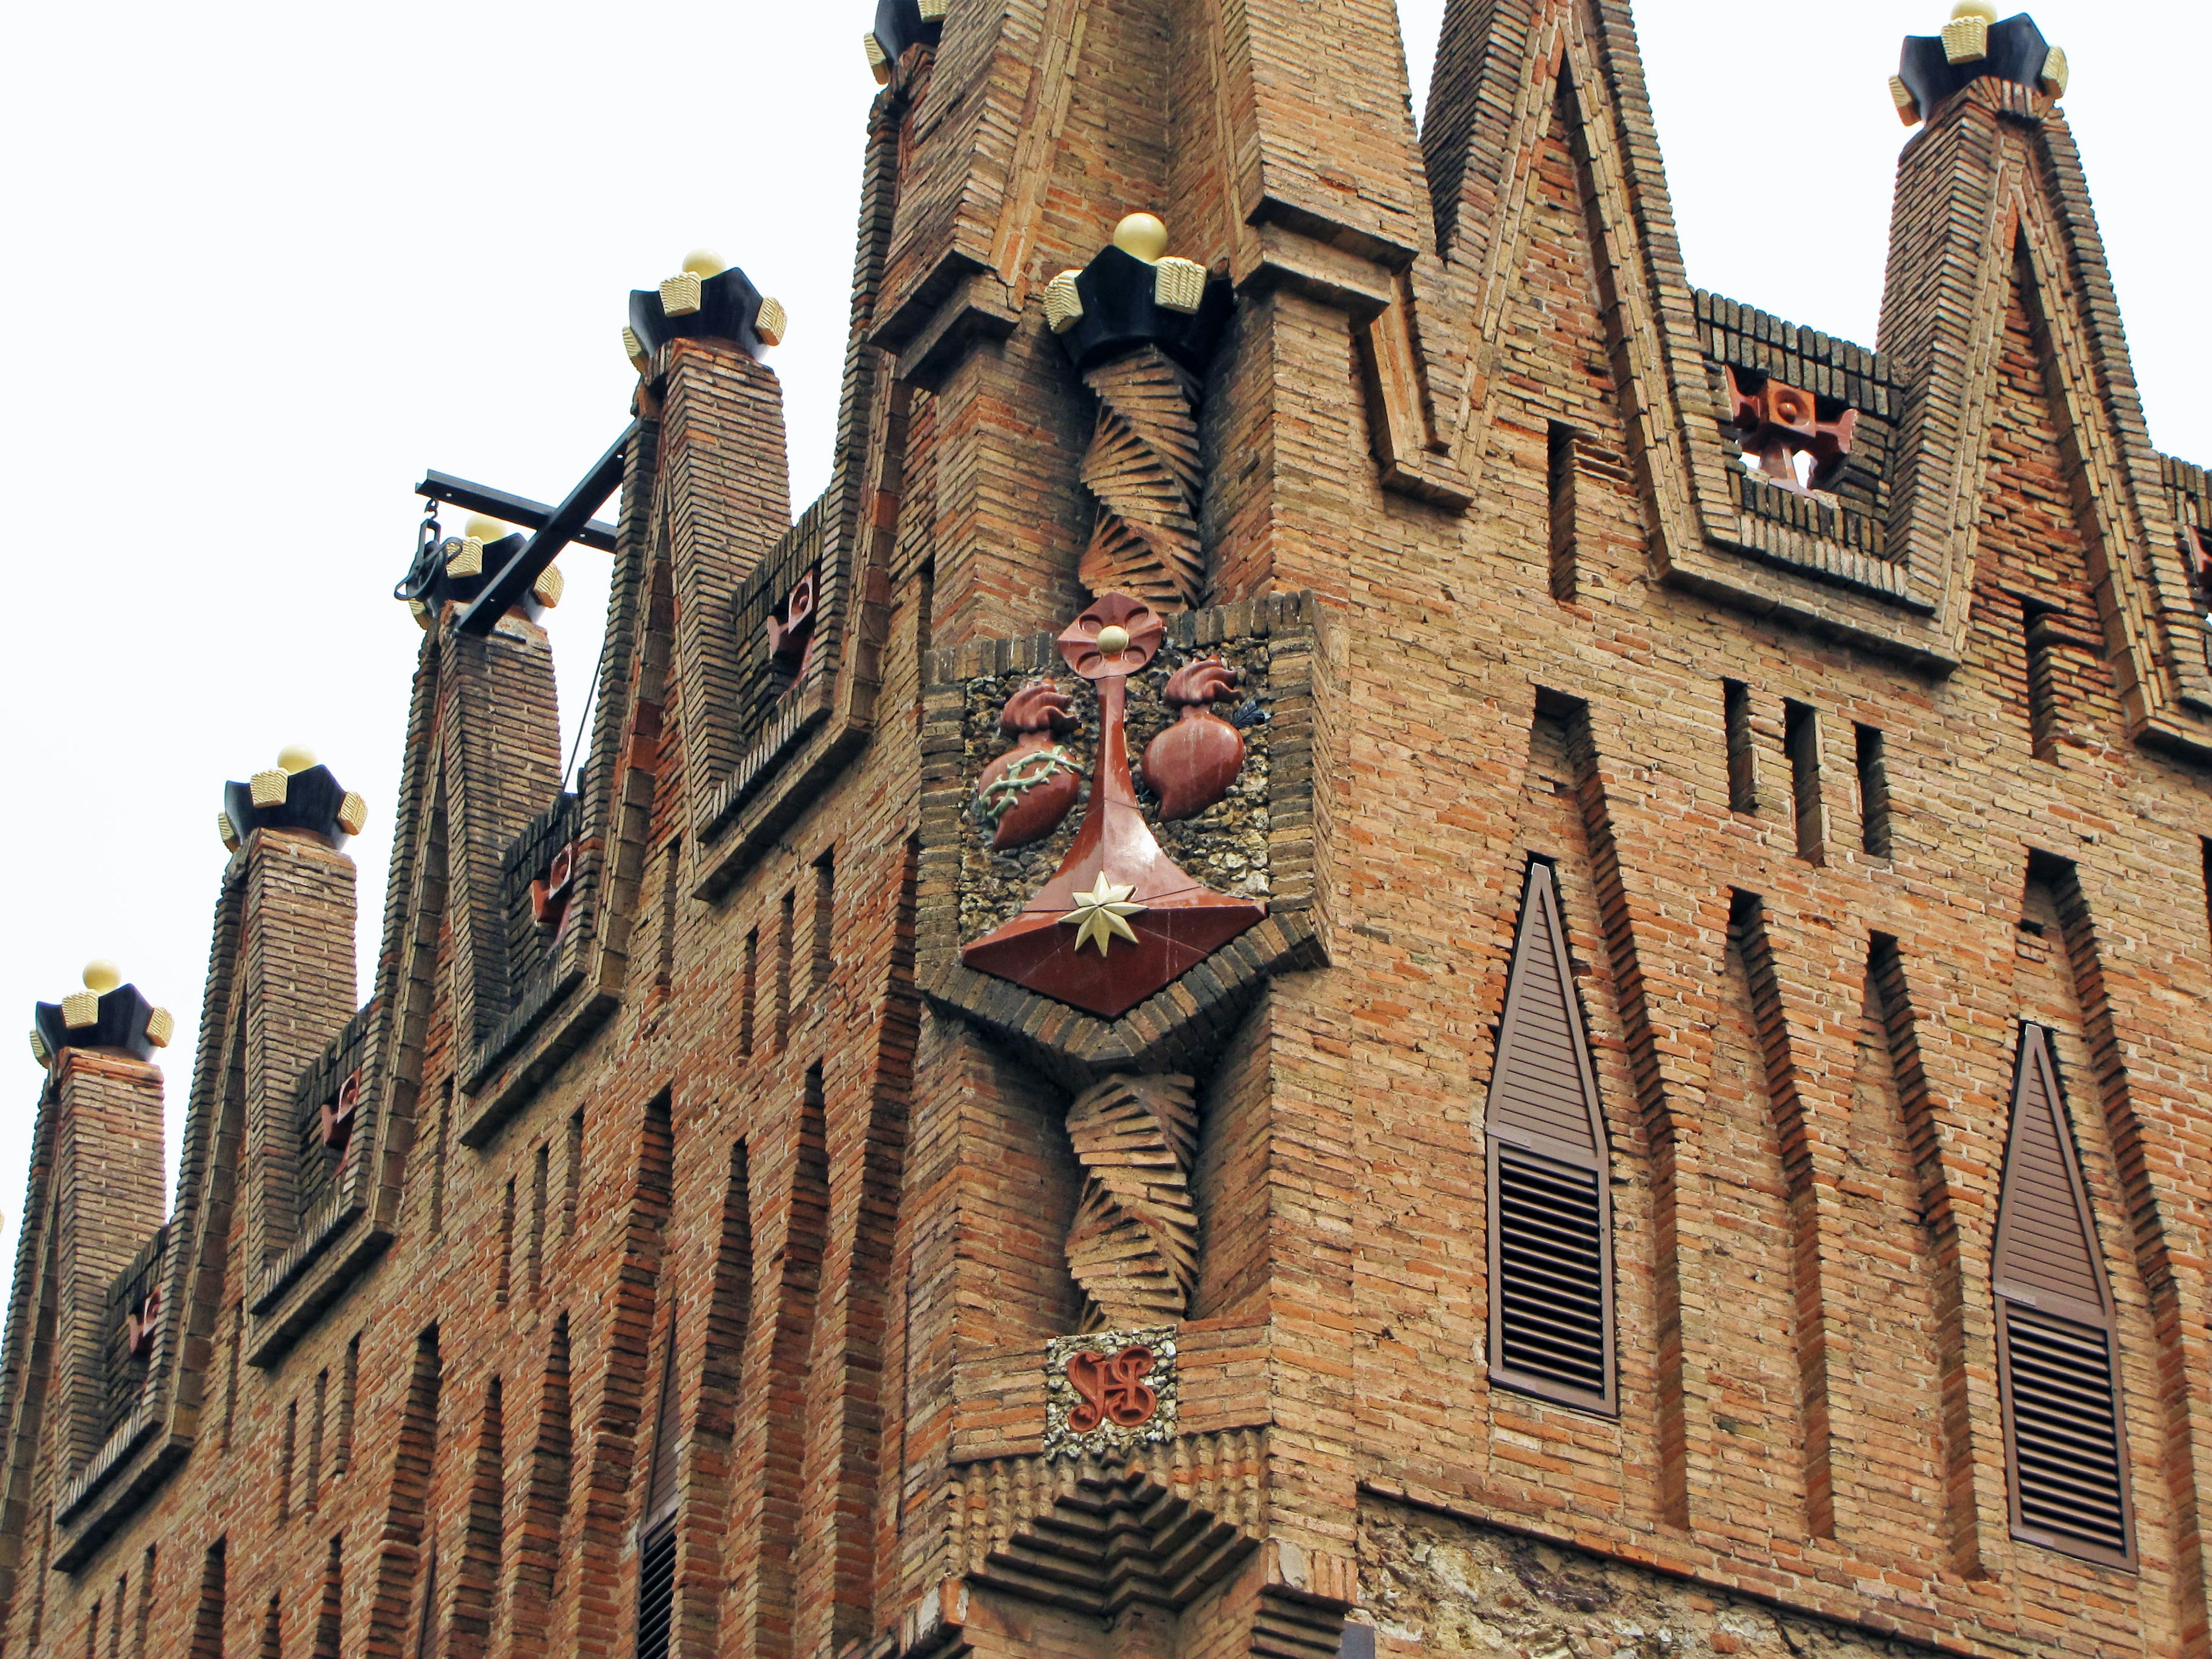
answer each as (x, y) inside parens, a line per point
(1968, 184)
(1993, 209)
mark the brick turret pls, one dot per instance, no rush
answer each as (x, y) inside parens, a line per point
(102, 1109)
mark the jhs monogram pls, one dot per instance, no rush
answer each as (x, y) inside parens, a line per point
(1113, 1389)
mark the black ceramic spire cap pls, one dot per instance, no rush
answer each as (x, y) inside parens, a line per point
(1119, 314)
(123, 1014)
(2017, 52)
(728, 306)
(899, 25)
(312, 800)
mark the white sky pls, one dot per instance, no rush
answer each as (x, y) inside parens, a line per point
(272, 261)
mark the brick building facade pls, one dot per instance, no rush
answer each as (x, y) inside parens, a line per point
(1618, 1072)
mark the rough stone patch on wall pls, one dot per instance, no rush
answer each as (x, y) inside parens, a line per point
(1452, 1587)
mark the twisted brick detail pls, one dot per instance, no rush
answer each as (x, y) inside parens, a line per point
(1143, 468)
(1134, 1248)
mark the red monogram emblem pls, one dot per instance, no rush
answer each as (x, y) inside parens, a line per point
(1113, 1390)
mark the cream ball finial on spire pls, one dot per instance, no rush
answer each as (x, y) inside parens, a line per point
(704, 262)
(487, 529)
(1143, 236)
(296, 757)
(1984, 10)
(101, 976)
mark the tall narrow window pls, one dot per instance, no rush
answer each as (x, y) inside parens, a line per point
(315, 1440)
(92, 1633)
(477, 1575)
(145, 1621)
(749, 993)
(349, 1382)
(284, 1461)
(115, 1619)
(207, 1617)
(400, 1573)
(426, 1620)
(573, 1181)
(540, 1177)
(44, 1569)
(1559, 479)
(330, 1614)
(544, 1504)
(500, 1277)
(2041, 622)
(787, 924)
(438, 1159)
(1742, 752)
(1874, 792)
(2057, 1335)
(925, 621)
(272, 1630)
(2208, 885)
(656, 1549)
(1550, 1210)
(230, 1385)
(825, 912)
(1800, 732)
(671, 868)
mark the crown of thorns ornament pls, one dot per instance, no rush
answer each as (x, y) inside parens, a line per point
(1119, 921)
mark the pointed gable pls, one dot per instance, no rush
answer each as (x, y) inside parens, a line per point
(1551, 1220)
(1544, 1092)
(2047, 1253)
(2057, 1351)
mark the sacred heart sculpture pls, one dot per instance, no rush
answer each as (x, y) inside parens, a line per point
(1028, 792)
(1192, 764)
(1120, 921)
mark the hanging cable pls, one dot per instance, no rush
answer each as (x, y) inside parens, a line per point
(591, 700)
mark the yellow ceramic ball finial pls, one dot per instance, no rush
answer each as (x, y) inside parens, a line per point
(487, 530)
(704, 262)
(101, 976)
(1984, 10)
(296, 757)
(1143, 236)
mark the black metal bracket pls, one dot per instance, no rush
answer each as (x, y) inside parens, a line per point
(511, 509)
(563, 525)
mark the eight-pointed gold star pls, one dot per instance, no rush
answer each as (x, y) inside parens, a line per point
(1099, 914)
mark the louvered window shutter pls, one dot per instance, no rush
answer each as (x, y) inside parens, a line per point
(1551, 1213)
(2057, 1349)
(656, 1547)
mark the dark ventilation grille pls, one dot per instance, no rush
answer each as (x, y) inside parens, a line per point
(2065, 1433)
(1551, 1222)
(656, 1550)
(2060, 1384)
(1552, 1278)
(656, 1591)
